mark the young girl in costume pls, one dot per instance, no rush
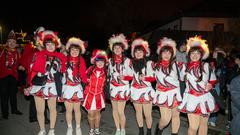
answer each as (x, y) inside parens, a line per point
(72, 93)
(142, 92)
(45, 64)
(198, 102)
(119, 67)
(94, 100)
(168, 95)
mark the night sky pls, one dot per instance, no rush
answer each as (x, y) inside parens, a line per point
(95, 20)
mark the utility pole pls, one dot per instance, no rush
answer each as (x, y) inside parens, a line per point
(1, 34)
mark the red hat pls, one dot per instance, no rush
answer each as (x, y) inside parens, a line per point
(99, 55)
(118, 39)
(197, 41)
(49, 35)
(76, 41)
(167, 42)
(12, 35)
(140, 42)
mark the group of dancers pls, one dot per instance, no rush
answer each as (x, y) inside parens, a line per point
(129, 79)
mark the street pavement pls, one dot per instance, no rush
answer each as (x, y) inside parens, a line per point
(20, 125)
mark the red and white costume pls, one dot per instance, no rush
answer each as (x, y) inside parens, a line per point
(9, 60)
(26, 59)
(75, 74)
(142, 91)
(197, 99)
(119, 89)
(119, 65)
(168, 87)
(41, 65)
(72, 89)
(94, 98)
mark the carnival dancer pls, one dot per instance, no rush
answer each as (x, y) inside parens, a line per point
(46, 64)
(168, 96)
(94, 100)
(26, 60)
(119, 69)
(198, 102)
(142, 92)
(75, 75)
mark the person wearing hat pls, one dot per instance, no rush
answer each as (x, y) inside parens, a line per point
(119, 71)
(9, 64)
(168, 95)
(94, 100)
(75, 74)
(25, 61)
(46, 64)
(142, 92)
(198, 102)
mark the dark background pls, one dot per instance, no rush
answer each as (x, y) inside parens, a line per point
(96, 20)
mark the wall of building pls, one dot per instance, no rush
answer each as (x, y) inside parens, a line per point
(198, 24)
(174, 25)
(204, 23)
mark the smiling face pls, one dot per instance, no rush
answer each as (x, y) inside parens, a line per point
(139, 54)
(166, 55)
(117, 49)
(100, 63)
(195, 55)
(50, 46)
(11, 43)
(74, 52)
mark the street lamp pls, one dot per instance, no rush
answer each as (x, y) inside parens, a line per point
(1, 34)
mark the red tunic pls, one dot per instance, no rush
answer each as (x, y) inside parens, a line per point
(26, 59)
(9, 61)
(94, 89)
(39, 62)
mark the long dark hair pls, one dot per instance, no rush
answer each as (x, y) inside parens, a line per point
(79, 55)
(172, 59)
(199, 49)
(238, 68)
(94, 67)
(113, 54)
(139, 64)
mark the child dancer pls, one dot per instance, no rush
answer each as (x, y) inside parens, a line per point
(74, 76)
(94, 100)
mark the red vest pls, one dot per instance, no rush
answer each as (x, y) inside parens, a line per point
(96, 84)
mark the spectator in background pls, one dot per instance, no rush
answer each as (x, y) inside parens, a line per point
(9, 64)
(181, 55)
(235, 96)
(218, 63)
